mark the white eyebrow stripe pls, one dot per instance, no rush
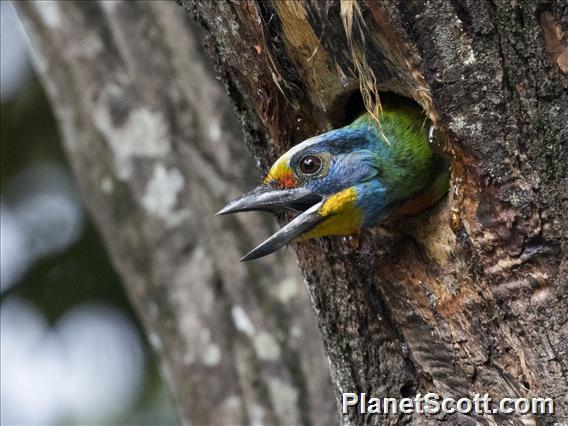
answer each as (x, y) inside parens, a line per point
(308, 142)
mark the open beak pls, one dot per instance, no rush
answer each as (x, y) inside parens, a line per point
(265, 198)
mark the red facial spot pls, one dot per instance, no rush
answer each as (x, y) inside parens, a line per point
(288, 181)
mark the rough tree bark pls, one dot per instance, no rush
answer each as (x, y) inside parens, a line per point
(469, 297)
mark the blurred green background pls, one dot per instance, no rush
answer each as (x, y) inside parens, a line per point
(72, 349)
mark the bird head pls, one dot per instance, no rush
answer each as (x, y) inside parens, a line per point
(339, 181)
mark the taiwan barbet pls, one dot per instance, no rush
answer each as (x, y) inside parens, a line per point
(350, 178)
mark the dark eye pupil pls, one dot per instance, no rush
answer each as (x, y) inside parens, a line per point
(310, 165)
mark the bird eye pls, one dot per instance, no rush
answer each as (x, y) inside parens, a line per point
(310, 164)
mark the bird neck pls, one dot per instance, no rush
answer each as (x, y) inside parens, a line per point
(372, 200)
(401, 150)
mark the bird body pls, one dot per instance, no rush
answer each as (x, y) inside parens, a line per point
(351, 177)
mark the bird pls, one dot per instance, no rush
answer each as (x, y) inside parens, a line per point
(352, 177)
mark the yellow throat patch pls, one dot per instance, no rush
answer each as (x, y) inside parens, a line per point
(342, 216)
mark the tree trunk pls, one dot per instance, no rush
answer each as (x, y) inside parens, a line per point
(468, 297)
(471, 296)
